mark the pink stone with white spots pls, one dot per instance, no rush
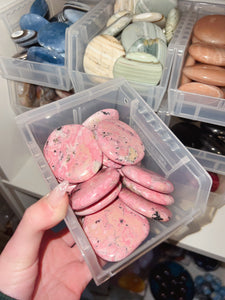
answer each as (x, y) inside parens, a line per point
(160, 198)
(148, 179)
(101, 203)
(104, 114)
(73, 153)
(119, 142)
(115, 231)
(109, 163)
(145, 207)
(92, 190)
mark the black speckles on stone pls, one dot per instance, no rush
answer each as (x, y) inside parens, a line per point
(121, 221)
(156, 216)
(97, 221)
(59, 128)
(105, 113)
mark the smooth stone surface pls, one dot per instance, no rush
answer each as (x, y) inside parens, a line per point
(115, 231)
(116, 27)
(125, 5)
(142, 57)
(44, 55)
(171, 23)
(212, 144)
(137, 71)
(189, 62)
(109, 163)
(32, 21)
(52, 36)
(144, 207)
(92, 122)
(148, 178)
(162, 6)
(215, 130)
(119, 142)
(101, 203)
(208, 74)
(39, 7)
(94, 189)
(147, 17)
(73, 153)
(138, 30)
(188, 133)
(24, 38)
(100, 55)
(208, 54)
(116, 16)
(156, 47)
(202, 89)
(151, 195)
(210, 29)
(73, 15)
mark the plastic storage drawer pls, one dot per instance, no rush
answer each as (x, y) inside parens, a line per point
(164, 154)
(187, 105)
(79, 37)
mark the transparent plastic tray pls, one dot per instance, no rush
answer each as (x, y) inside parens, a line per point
(164, 154)
(79, 37)
(188, 105)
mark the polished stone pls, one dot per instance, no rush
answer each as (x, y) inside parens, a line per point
(202, 89)
(44, 55)
(73, 15)
(215, 130)
(24, 38)
(171, 23)
(39, 7)
(52, 36)
(116, 27)
(32, 22)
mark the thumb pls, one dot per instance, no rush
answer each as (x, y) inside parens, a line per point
(21, 252)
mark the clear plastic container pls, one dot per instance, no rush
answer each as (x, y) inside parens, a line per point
(79, 37)
(187, 105)
(51, 75)
(164, 154)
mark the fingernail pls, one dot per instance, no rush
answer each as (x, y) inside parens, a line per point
(56, 195)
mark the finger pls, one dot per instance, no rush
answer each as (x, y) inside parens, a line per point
(22, 250)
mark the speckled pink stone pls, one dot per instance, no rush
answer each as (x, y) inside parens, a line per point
(119, 142)
(92, 190)
(104, 114)
(109, 163)
(148, 178)
(101, 203)
(116, 231)
(145, 207)
(73, 153)
(160, 198)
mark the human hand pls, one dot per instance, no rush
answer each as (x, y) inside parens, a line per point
(38, 263)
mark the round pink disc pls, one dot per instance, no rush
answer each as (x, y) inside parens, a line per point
(101, 203)
(92, 190)
(115, 231)
(104, 114)
(145, 207)
(148, 194)
(109, 163)
(147, 178)
(73, 153)
(119, 142)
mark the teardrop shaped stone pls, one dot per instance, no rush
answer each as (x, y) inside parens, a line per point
(137, 70)
(171, 23)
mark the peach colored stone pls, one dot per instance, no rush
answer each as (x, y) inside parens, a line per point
(195, 40)
(210, 29)
(208, 74)
(189, 62)
(202, 89)
(208, 54)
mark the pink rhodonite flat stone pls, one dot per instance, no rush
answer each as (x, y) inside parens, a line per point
(119, 142)
(104, 114)
(73, 153)
(147, 178)
(156, 197)
(145, 207)
(116, 231)
(92, 190)
(109, 163)
(101, 203)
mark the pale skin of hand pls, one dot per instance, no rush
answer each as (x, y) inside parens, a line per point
(38, 263)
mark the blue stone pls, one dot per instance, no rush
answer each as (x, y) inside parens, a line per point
(24, 38)
(32, 22)
(73, 15)
(52, 36)
(39, 7)
(222, 291)
(199, 280)
(44, 55)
